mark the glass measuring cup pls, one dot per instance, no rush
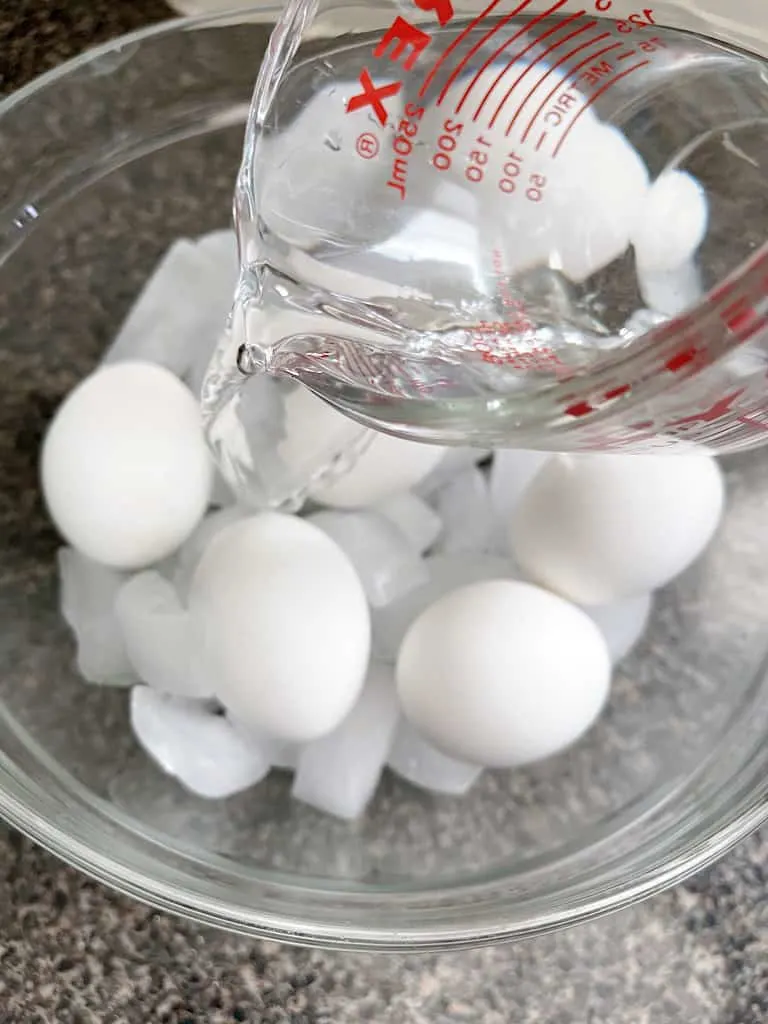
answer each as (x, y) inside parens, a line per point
(536, 224)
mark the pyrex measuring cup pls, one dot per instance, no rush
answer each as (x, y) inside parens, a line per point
(535, 224)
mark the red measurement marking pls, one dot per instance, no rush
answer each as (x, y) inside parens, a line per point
(594, 98)
(722, 407)
(554, 46)
(481, 42)
(751, 324)
(578, 67)
(617, 392)
(542, 140)
(526, 360)
(579, 409)
(626, 56)
(458, 40)
(759, 425)
(739, 316)
(558, 64)
(721, 291)
(681, 360)
(524, 31)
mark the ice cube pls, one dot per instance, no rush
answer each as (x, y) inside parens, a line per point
(418, 523)
(622, 623)
(199, 361)
(219, 249)
(339, 773)
(673, 225)
(190, 553)
(280, 753)
(445, 573)
(421, 764)
(464, 506)
(385, 561)
(158, 636)
(512, 470)
(284, 756)
(671, 292)
(452, 463)
(195, 745)
(182, 307)
(222, 495)
(262, 409)
(87, 594)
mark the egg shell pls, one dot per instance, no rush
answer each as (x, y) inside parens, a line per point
(596, 201)
(125, 471)
(387, 466)
(599, 528)
(502, 673)
(283, 624)
(674, 222)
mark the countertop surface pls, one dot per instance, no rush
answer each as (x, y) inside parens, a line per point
(72, 952)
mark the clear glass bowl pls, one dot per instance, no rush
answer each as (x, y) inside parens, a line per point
(104, 163)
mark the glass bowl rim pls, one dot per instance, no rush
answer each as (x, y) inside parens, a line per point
(61, 813)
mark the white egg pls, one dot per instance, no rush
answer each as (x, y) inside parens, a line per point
(387, 466)
(503, 673)
(125, 471)
(317, 442)
(671, 292)
(596, 200)
(598, 528)
(674, 221)
(283, 625)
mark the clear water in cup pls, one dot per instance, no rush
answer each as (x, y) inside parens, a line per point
(526, 214)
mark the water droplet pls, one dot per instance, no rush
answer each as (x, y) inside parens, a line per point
(26, 215)
(250, 360)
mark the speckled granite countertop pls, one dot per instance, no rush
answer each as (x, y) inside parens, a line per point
(72, 952)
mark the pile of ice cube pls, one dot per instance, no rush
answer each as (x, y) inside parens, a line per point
(432, 611)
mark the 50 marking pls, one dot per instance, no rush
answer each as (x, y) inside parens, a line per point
(512, 171)
(478, 160)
